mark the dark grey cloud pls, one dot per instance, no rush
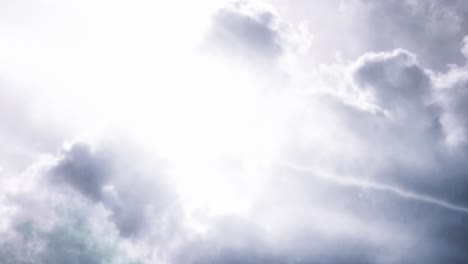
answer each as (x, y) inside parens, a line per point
(432, 30)
(84, 170)
(432, 123)
(372, 225)
(415, 137)
(352, 184)
(394, 80)
(138, 195)
(101, 204)
(394, 171)
(442, 176)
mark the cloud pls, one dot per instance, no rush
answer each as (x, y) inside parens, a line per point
(370, 184)
(464, 49)
(78, 235)
(136, 195)
(358, 182)
(422, 123)
(89, 204)
(381, 170)
(24, 131)
(233, 239)
(452, 94)
(83, 171)
(431, 30)
(242, 29)
(367, 167)
(47, 225)
(394, 80)
(424, 128)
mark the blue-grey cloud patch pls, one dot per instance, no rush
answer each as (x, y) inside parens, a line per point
(363, 223)
(432, 30)
(241, 30)
(453, 95)
(395, 80)
(393, 176)
(377, 188)
(424, 120)
(84, 170)
(138, 195)
(373, 171)
(90, 205)
(75, 237)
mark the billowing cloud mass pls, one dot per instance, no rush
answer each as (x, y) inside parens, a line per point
(439, 26)
(134, 194)
(234, 132)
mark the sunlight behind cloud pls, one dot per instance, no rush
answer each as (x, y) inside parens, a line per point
(233, 132)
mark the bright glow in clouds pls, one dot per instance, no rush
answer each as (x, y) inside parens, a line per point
(233, 132)
(129, 71)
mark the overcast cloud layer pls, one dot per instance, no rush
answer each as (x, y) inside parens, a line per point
(233, 132)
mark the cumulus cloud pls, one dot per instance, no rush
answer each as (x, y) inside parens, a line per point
(394, 80)
(358, 161)
(440, 174)
(47, 225)
(80, 169)
(137, 195)
(431, 30)
(388, 166)
(88, 205)
(248, 31)
(414, 123)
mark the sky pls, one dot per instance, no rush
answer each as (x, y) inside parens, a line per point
(228, 132)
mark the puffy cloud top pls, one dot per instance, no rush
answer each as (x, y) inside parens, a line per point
(393, 79)
(249, 31)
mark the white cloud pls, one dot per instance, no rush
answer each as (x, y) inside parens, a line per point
(464, 49)
(253, 149)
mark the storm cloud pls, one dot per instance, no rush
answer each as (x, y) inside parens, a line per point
(241, 132)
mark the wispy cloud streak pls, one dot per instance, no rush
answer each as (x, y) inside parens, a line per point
(359, 182)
